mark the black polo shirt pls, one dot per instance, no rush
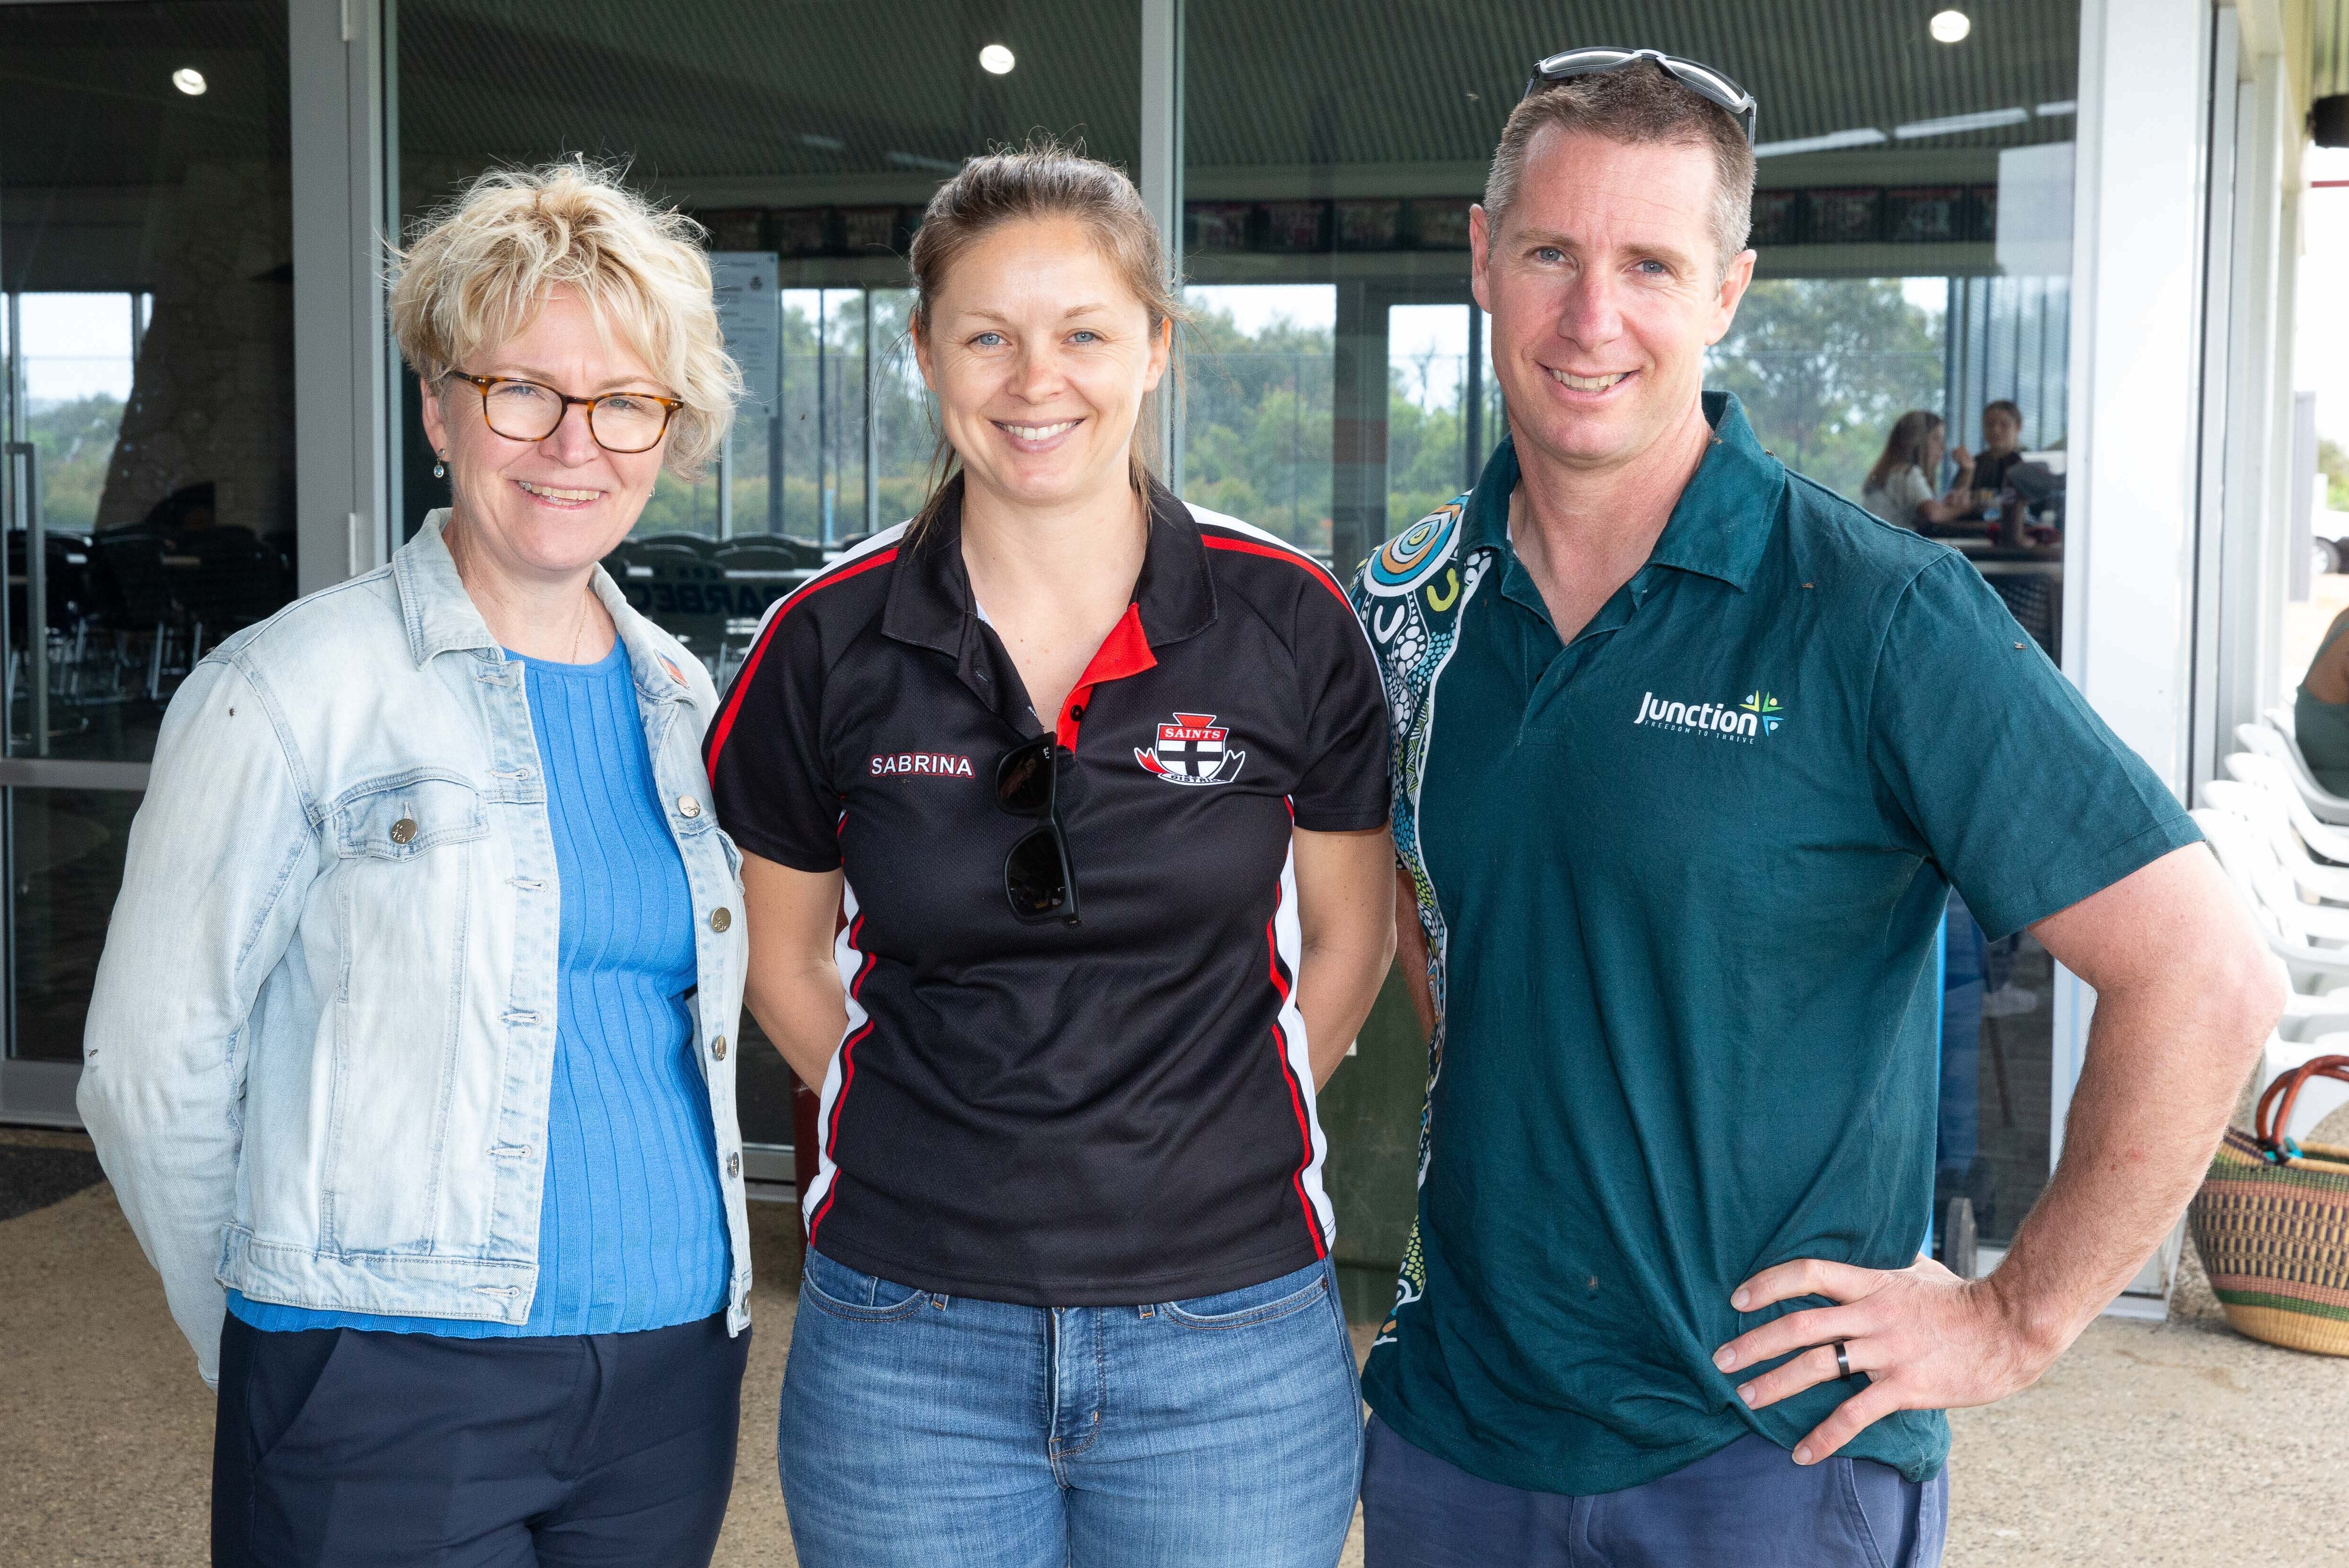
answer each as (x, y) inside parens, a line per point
(1111, 1113)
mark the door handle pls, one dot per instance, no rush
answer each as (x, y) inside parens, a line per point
(25, 497)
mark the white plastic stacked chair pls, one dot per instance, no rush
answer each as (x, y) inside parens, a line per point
(2258, 792)
(2275, 738)
(2312, 938)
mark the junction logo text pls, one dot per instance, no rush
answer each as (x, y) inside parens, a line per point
(1759, 714)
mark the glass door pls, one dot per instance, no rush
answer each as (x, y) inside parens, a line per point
(146, 379)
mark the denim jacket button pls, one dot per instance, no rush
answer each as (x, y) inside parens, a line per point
(686, 806)
(403, 831)
(733, 1165)
(719, 919)
(717, 1047)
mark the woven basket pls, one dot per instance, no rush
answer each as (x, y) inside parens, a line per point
(2271, 1224)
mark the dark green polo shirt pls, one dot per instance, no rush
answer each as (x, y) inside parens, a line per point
(1682, 877)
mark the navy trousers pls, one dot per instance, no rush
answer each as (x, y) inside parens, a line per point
(357, 1450)
(1748, 1506)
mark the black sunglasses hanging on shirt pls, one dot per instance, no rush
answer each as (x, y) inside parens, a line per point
(1037, 879)
(1695, 76)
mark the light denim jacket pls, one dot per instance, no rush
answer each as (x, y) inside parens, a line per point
(319, 1048)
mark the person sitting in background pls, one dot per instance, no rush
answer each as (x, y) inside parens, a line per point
(2320, 709)
(1899, 488)
(2001, 445)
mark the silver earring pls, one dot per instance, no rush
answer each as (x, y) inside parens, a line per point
(441, 470)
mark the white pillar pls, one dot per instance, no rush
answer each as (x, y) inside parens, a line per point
(2135, 470)
(2136, 324)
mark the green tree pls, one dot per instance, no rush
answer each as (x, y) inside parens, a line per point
(74, 439)
(1824, 365)
(1257, 418)
(1424, 461)
(2333, 464)
(821, 428)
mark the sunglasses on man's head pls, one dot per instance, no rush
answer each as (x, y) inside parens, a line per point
(1698, 77)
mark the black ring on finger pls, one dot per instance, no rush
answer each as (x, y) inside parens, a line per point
(1843, 1358)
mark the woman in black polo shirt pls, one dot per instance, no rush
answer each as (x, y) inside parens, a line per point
(1092, 787)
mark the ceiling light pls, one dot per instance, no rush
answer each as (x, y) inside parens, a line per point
(2051, 110)
(995, 60)
(1957, 124)
(1950, 26)
(822, 143)
(1864, 136)
(916, 160)
(190, 80)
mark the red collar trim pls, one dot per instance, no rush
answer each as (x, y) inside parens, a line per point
(1124, 652)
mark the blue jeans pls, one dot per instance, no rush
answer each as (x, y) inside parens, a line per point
(1748, 1506)
(919, 1430)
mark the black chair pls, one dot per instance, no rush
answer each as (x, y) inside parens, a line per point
(692, 544)
(134, 601)
(227, 579)
(66, 559)
(688, 598)
(631, 572)
(802, 552)
(761, 571)
(131, 592)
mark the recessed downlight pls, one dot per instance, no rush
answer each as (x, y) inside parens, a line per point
(190, 80)
(1950, 26)
(995, 60)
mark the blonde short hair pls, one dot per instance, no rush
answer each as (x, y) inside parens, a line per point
(478, 270)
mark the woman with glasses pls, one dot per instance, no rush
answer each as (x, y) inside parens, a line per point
(409, 1051)
(1064, 811)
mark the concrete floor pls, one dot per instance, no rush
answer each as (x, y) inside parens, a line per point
(2177, 1443)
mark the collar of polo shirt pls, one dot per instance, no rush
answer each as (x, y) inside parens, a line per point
(930, 602)
(1720, 525)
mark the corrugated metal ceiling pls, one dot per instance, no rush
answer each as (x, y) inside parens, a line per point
(716, 89)
(1400, 80)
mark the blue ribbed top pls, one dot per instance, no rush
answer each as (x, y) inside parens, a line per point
(632, 1232)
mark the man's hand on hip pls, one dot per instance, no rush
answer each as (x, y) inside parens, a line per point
(1922, 1338)
(2185, 994)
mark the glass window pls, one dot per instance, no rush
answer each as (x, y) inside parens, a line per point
(1912, 222)
(807, 139)
(147, 425)
(64, 857)
(146, 332)
(1258, 361)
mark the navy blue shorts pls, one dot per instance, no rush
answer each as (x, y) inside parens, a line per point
(342, 1447)
(1748, 1506)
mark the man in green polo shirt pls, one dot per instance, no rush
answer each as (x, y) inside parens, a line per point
(1689, 753)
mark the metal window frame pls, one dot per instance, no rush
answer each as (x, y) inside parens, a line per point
(335, 56)
(1162, 190)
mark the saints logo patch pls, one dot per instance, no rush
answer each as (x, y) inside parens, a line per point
(1193, 749)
